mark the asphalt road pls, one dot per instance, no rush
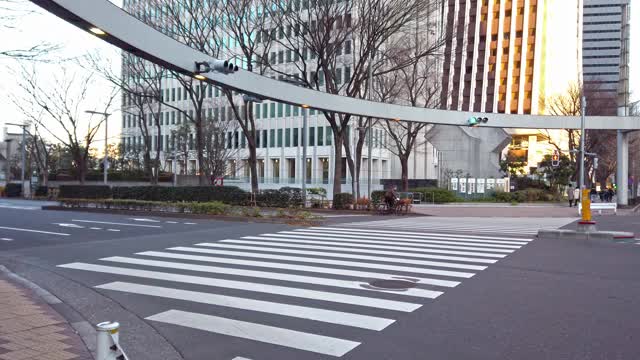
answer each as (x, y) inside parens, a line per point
(201, 289)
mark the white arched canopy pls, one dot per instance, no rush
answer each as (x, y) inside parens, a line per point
(128, 33)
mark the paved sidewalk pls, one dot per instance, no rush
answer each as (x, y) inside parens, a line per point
(30, 329)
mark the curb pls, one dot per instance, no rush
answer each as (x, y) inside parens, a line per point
(612, 236)
(81, 327)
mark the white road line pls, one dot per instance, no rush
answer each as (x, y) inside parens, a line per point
(115, 223)
(302, 312)
(347, 256)
(467, 229)
(354, 244)
(399, 243)
(423, 234)
(145, 220)
(305, 268)
(34, 231)
(267, 334)
(190, 223)
(365, 251)
(171, 222)
(6, 239)
(414, 238)
(240, 358)
(114, 230)
(95, 228)
(354, 285)
(313, 260)
(249, 286)
(14, 207)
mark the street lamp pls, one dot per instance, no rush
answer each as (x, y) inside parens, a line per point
(24, 154)
(298, 82)
(105, 162)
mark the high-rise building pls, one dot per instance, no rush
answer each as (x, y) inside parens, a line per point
(605, 49)
(279, 126)
(508, 56)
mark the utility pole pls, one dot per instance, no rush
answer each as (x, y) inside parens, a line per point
(369, 132)
(304, 155)
(105, 161)
(583, 110)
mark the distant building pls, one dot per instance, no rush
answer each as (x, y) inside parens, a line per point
(9, 148)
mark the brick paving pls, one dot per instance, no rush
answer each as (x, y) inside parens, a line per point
(30, 329)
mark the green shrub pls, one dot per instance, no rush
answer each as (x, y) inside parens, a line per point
(210, 208)
(438, 195)
(342, 201)
(42, 191)
(530, 195)
(85, 191)
(251, 211)
(13, 190)
(502, 196)
(377, 196)
(231, 195)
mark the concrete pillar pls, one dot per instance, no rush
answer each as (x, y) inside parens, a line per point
(622, 174)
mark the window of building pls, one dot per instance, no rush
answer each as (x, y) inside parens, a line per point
(339, 75)
(296, 111)
(229, 139)
(295, 137)
(243, 140)
(265, 108)
(279, 137)
(272, 138)
(347, 47)
(347, 74)
(257, 114)
(258, 132)
(236, 139)
(264, 138)
(320, 136)
(287, 110)
(280, 106)
(312, 136)
(287, 137)
(272, 110)
(329, 135)
(289, 56)
(280, 57)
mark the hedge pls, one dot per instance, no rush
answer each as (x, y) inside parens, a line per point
(438, 195)
(284, 197)
(42, 191)
(377, 196)
(13, 190)
(342, 201)
(85, 191)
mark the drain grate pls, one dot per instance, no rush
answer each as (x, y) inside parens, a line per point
(392, 284)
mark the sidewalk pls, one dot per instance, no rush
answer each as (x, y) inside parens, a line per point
(30, 329)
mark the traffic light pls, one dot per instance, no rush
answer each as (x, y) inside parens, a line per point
(555, 158)
(477, 120)
(222, 66)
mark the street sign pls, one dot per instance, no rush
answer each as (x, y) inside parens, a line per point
(217, 181)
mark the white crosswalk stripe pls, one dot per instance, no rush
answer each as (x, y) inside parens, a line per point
(322, 275)
(515, 226)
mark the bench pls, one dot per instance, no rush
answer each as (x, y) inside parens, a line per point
(600, 206)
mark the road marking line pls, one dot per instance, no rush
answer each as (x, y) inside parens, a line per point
(6, 239)
(190, 223)
(485, 229)
(74, 226)
(249, 286)
(34, 231)
(347, 256)
(240, 358)
(171, 222)
(95, 228)
(413, 238)
(144, 220)
(114, 230)
(115, 223)
(397, 244)
(302, 312)
(14, 207)
(423, 234)
(355, 285)
(262, 333)
(366, 251)
(313, 260)
(286, 266)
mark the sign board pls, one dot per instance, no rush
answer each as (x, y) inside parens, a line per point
(491, 184)
(471, 188)
(454, 184)
(500, 185)
(463, 185)
(217, 181)
(480, 186)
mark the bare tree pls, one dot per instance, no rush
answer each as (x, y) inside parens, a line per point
(181, 143)
(40, 151)
(332, 43)
(63, 104)
(11, 13)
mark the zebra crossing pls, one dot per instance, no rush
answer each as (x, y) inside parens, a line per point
(485, 225)
(322, 275)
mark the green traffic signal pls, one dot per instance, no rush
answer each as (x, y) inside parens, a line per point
(473, 121)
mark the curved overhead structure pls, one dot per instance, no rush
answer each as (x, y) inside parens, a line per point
(119, 28)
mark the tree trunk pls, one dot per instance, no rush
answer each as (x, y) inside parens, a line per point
(253, 167)
(202, 179)
(337, 164)
(404, 164)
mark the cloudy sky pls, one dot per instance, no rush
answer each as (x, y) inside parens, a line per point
(42, 26)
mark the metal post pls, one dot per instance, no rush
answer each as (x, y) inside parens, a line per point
(107, 336)
(622, 173)
(369, 132)
(304, 156)
(106, 150)
(583, 111)
(175, 167)
(23, 160)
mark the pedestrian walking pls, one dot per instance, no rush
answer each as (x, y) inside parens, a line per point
(571, 195)
(576, 195)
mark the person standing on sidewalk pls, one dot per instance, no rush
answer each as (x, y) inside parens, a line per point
(571, 195)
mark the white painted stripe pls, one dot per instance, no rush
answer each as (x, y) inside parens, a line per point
(428, 294)
(422, 234)
(95, 228)
(302, 312)
(6, 239)
(190, 223)
(240, 358)
(33, 231)
(305, 268)
(366, 251)
(399, 242)
(116, 223)
(416, 238)
(267, 334)
(171, 222)
(527, 229)
(18, 207)
(248, 286)
(313, 260)
(113, 230)
(348, 256)
(366, 245)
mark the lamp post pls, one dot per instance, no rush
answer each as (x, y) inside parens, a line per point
(105, 162)
(583, 110)
(304, 140)
(23, 155)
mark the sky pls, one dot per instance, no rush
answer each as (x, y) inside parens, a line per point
(42, 26)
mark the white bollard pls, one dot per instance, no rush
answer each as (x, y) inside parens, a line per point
(108, 347)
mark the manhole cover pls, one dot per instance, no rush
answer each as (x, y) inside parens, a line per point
(392, 284)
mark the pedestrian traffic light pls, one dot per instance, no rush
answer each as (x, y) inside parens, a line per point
(555, 158)
(477, 120)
